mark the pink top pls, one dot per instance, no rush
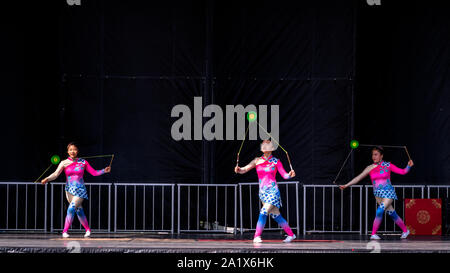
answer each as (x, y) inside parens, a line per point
(267, 172)
(381, 174)
(74, 170)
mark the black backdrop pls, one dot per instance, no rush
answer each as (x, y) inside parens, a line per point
(403, 85)
(107, 74)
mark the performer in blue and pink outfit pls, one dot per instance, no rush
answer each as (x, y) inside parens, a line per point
(76, 191)
(380, 174)
(266, 168)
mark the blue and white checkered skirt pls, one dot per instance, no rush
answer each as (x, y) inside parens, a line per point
(386, 191)
(77, 189)
(270, 195)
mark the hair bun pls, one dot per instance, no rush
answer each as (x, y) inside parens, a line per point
(379, 149)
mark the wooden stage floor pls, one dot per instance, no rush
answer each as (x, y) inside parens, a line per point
(217, 243)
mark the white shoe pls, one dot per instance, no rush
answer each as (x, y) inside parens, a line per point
(257, 239)
(375, 237)
(289, 239)
(87, 234)
(65, 235)
(405, 234)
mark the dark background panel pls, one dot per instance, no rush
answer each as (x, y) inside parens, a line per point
(331, 128)
(137, 129)
(138, 38)
(83, 113)
(263, 39)
(154, 38)
(79, 35)
(402, 89)
(333, 39)
(29, 99)
(82, 120)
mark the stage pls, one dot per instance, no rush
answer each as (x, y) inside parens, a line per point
(215, 243)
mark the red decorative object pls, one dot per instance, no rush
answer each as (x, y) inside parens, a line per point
(423, 216)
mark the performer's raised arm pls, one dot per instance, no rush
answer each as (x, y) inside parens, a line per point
(94, 172)
(283, 173)
(404, 171)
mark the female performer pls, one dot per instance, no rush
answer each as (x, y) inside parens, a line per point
(380, 174)
(266, 168)
(76, 191)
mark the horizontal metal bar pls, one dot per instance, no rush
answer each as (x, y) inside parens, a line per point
(280, 183)
(93, 184)
(272, 228)
(80, 230)
(23, 229)
(19, 183)
(208, 230)
(393, 232)
(143, 230)
(214, 185)
(328, 186)
(144, 184)
(332, 231)
(402, 186)
(207, 185)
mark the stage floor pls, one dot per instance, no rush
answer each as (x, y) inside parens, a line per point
(217, 243)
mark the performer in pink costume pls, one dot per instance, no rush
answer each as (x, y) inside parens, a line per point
(266, 168)
(380, 174)
(76, 191)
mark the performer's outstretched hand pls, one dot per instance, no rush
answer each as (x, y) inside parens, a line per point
(292, 173)
(107, 169)
(410, 163)
(237, 169)
(342, 187)
(44, 181)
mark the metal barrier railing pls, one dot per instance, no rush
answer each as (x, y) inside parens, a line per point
(144, 195)
(402, 191)
(28, 203)
(436, 191)
(99, 216)
(331, 208)
(288, 189)
(215, 196)
(143, 207)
